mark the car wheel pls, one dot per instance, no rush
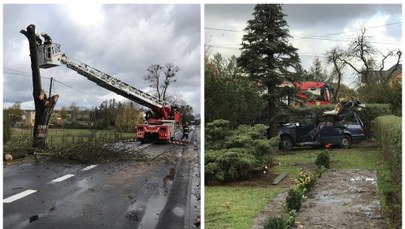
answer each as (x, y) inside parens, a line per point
(285, 142)
(346, 141)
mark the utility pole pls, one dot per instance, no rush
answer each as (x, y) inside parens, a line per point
(50, 87)
(43, 106)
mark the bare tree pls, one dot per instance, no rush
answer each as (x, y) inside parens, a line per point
(170, 70)
(384, 75)
(360, 56)
(361, 50)
(335, 57)
(153, 77)
(160, 86)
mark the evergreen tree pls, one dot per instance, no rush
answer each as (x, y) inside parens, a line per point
(317, 71)
(267, 57)
(228, 94)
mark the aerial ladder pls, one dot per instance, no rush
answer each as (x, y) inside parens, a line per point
(160, 121)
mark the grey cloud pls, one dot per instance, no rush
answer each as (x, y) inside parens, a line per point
(331, 16)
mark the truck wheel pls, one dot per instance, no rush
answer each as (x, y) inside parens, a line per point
(285, 143)
(346, 142)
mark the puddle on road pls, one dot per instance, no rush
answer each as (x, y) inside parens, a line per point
(157, 202)
(178, 211)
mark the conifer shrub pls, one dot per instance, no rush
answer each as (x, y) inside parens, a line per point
(294, 198)
(323, 159)
(235, 154)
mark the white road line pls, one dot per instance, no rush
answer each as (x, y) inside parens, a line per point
(89, 167)
(19, 196)
(65, 177)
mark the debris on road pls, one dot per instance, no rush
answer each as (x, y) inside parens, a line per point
(136, 210)
(33, 218)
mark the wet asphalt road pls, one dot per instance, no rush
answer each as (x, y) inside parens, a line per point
(130, 194)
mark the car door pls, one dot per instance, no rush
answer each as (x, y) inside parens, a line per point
(331, 131)
(305, 129)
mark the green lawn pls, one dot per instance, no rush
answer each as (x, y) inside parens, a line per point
(235, 207)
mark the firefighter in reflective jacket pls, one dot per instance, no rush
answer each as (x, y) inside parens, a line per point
(47, 39)
(186, 131)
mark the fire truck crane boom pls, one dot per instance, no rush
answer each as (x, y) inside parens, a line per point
(113, 84)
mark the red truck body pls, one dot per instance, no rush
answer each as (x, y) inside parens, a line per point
(321, 92)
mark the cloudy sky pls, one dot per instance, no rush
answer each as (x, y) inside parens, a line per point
(121, 40)
(315, 28)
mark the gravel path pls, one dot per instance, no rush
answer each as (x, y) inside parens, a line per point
(343, 199)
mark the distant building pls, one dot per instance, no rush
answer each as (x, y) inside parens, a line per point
(396, 75)
(28, 118)
(390, 76)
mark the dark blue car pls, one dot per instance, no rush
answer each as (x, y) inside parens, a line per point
(324, 130)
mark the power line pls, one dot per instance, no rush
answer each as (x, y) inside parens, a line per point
(329, 34)
(226, 30)
(77, 89)
(321, 37)
(346, 40)
(222, 47)
(25, 74)
(372, 27)
(17, 72)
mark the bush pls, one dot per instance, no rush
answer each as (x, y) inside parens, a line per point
(274, 222)
(215, 133)
(6, 129)
(323, 159)
(389, 136)
(230, 164)
(283, 222)
(294, 198)
(236, 154)
(305, 181)
(303, 184)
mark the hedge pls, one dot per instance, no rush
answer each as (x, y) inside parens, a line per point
(389, 136)
(370, 113)
(367, 114)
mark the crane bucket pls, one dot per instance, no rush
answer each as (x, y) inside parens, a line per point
(49, 55)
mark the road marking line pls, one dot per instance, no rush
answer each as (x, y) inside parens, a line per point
(65, 177)
(89, 167)
(19, 196)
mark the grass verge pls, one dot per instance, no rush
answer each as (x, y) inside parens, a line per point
(235, 207)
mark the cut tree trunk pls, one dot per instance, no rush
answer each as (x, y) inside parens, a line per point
(43, 106)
